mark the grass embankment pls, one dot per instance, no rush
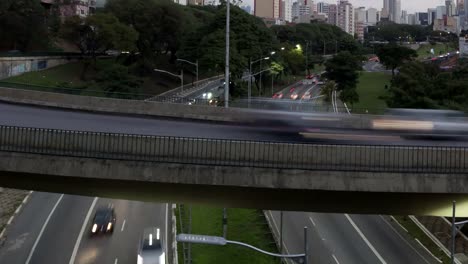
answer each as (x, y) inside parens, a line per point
(370, 88)
(69, 75)
(244, 225)
(417, 233)
(424, 51)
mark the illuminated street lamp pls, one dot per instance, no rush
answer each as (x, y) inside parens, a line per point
(249, 93)
(181, 76)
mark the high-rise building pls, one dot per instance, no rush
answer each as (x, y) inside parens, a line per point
(431, 15)
(322, 7)
(412, 19)
(392, 10)
(346, 16)
(295, 10)
(286, 10)
(371, 16)
(267, 8)
(404, 17)
(333, 14)
(422, 18)
(449, 8)
(440, 12)
(360, 14)
(310, 3)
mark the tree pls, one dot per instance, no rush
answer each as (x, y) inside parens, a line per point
(420, 85)
(393, 56)
(99, 33)
(343, 69)
(327, 91)
(22, 25)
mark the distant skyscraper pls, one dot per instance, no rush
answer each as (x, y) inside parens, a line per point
(431, 15)
(392, 10)
(371, 16)
(286, 10)
(346, 17)
(412, 19)
(440, 12)
(267, 8)
(404, 17)
(449, 8)
(322, 7)
(360, 14)
(333, 14)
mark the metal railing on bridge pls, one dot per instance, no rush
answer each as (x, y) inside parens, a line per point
(242, 153)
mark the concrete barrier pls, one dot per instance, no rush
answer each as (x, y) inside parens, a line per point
(122, 106)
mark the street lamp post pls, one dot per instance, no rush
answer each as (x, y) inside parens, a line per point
(249, 92)
(226, 77)
(221, 241)
(193, 63)
(181, 76)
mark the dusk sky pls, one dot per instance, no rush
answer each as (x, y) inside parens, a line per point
(409, 5)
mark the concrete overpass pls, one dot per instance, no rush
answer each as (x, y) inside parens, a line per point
(324, 178)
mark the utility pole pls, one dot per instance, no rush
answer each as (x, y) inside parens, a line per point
(226, 78)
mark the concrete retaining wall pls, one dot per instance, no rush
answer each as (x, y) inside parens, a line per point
(12, 66)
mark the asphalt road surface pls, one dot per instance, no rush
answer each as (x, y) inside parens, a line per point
(55, 229)
(338, 238)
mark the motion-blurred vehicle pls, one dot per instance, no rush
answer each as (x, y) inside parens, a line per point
(277, 96)
(294, 96)
(310, 76)
(292, 89)
(425, 123)
(306, 96)
(151, 247)
(103, 221)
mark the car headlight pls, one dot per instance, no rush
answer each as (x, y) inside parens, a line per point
(94, 228)
(109, 226)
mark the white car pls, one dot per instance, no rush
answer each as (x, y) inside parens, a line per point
(151, 248)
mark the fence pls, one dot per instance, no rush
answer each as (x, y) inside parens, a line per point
(219, 152)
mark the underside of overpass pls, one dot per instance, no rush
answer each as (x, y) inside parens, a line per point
(242, 197)
(289, 190)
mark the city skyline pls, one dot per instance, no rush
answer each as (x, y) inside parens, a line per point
(411, 6)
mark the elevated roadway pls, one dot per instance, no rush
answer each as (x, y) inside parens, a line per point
(364, 189)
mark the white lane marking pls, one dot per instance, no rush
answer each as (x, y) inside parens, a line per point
(402, 238)
(167, 211)
(336, 260)
(312, 220)
(80, 236)
(123, 226)
(116, 261)
(365, 239)
(42, 229)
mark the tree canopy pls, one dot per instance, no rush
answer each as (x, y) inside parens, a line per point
(393, 56)
(22, 25)
(422, 85)
(343, 69)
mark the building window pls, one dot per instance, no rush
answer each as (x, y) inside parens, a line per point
(82, 12)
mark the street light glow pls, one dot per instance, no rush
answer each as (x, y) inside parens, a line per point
(273, 52)
(298, 46)
(267, 58)
(282, 48)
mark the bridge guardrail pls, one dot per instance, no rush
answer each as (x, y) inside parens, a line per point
(242, 153)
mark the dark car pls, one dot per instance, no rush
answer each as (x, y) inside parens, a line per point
(103, 221)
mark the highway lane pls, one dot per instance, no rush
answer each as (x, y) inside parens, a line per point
(42, 234)
(337, 238)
